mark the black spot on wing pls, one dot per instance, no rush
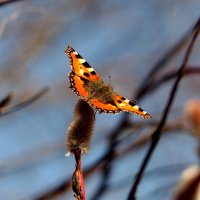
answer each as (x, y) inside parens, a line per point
(141, 110)
(83, 79)
(93, 73)
(112, 103)
(86, 64)
(86, 74)
(78, 56)
(123, 98)
(131, 103)
(119, 101)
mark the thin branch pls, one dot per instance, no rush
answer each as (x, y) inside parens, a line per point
(167, 77)
(157, 134)
(163, 61)
(99, 165)
(24, 103)
(125, 120)
(122, 125)
(164, 170)
(5, 2)
(5, 101)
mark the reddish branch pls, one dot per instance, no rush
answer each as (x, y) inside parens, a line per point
(77, 179)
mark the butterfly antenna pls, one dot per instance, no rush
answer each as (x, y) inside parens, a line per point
(110, 79)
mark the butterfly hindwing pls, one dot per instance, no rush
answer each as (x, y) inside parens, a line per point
(80, 66)
(79, 86)
(104, 107)
(128, 106)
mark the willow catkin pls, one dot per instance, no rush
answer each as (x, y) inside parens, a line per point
(80, 129)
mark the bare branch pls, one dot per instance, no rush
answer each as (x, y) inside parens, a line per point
(5, 2)
(158, 132)
(24, 103)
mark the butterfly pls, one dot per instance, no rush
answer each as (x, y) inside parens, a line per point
(87, 84)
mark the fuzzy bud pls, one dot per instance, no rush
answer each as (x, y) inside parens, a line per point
(80, 129)
(192, 116)
(188, 187)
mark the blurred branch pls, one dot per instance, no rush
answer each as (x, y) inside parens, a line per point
(5, 101)
(139, 94)
(164, 170)
(22, 104)
(158, 132)
(65, 185)
(5, 2)
(169, 76)
(100, 163)
(8, 19)
(108, 157)
(163, 61)
(144, 139)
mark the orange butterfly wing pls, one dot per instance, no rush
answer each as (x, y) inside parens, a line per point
(80, 66)
(82, 73)
(104, 107)
(128, 106)
(76, 83)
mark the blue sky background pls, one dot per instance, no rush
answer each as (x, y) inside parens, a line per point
(121, 39)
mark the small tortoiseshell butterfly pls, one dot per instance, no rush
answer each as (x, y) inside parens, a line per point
(87, 84)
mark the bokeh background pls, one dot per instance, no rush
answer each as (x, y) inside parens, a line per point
(122, 39)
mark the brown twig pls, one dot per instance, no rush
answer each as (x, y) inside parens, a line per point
(154, 84)
(162, 62)
(5, 2)
(5, 101)
(157, 134)
(164, 170)
(24, 103)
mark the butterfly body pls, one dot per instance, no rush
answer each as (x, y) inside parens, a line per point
(87, 84)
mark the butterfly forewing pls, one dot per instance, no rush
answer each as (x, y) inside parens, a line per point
(80, 66)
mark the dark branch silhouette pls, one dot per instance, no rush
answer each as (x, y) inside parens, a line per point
(6, 2)
(5, 101)
(104, 163)
(125, 118)
(157, 134)
(24, 103)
